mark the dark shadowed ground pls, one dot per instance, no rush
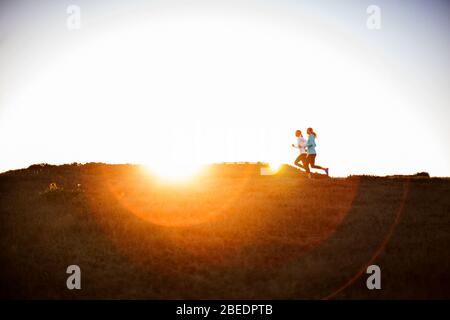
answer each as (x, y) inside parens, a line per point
(230, 233)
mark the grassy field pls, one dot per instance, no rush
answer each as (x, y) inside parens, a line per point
(230, 233)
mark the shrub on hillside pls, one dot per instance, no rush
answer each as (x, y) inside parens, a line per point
(55, 192)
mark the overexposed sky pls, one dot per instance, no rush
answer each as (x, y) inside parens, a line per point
(179, 82)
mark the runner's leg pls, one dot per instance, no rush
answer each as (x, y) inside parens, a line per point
(313, 163)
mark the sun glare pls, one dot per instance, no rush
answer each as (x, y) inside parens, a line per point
(275, 166)
(174, 172)
(193, 87)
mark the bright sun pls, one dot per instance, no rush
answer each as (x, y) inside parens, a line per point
(184, 88)
(174, 172)
(275, 166)
(272, 168)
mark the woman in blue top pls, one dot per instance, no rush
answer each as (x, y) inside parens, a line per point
(311, 157)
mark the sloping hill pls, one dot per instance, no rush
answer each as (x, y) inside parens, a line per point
(230, 233)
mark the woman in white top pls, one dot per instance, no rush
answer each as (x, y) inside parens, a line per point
(301, 146)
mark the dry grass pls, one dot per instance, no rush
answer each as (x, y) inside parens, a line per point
(231, 234)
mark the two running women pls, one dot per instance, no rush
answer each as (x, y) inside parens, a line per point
(307, 149)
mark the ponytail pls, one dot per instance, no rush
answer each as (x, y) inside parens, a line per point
(311, 131)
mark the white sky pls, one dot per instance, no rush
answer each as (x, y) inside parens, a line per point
(187, 82)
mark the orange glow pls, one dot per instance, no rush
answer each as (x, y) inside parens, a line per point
(275, 166)
(174, 172)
